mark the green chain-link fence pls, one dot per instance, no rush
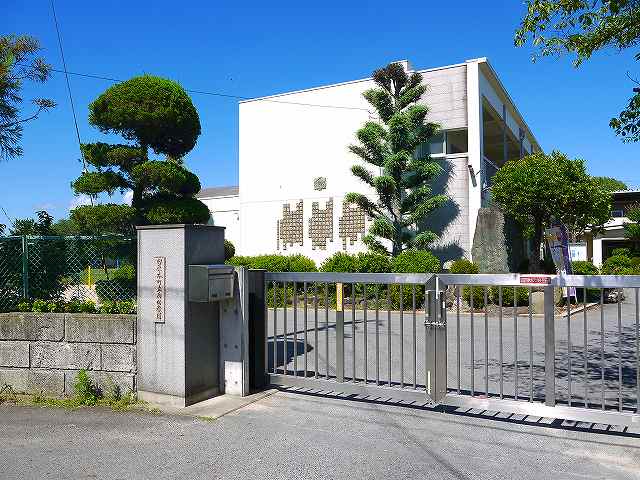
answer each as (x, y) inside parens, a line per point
(66, 268)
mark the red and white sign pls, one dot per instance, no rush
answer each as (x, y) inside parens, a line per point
(535, 279)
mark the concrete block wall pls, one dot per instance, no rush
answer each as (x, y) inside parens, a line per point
(42, 352)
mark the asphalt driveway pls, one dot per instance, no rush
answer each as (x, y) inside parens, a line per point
(289, 435)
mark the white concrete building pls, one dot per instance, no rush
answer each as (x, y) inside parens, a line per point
(601, 246)
(295, 165)
(224, 205)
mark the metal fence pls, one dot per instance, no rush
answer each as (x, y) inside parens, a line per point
(493, 342)
(367, 332)
(66, 268)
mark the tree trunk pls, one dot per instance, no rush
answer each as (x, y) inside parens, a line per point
(534, 264)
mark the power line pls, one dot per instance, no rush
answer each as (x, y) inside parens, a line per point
(203, 92)
(64, 64)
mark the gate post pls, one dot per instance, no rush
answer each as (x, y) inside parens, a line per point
(549, 348)
(257, 330)
(435, 335)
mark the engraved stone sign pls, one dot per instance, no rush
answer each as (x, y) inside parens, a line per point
(159, 282)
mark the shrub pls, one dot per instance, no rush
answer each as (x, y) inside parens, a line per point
(275, 263)
(415, 261)
(300, 263)
(121, 284)
(229, 250)
(126, 307)
(618, 265)
(340, 262)
(478, 295)
(581, 267)
(86, 391)
(412, 261)
(42, 306)
(586, 268)
(462, 265)
(625, 252)
(77, 306)
(370, 262)
(24, 306)
(522, 296)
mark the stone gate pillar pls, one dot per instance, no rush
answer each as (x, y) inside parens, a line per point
(178, 341)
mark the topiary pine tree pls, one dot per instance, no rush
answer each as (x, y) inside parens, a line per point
(149, 112)
(405, 197)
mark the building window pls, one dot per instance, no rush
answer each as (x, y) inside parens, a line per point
(457, 141)
(446, 142)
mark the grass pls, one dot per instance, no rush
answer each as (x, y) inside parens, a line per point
(87, 394)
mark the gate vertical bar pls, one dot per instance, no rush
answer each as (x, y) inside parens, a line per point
(486, 341)
(586, 348)
(326, 328)
(364, 343)
(415, 350)
(285, 337)
(530, 347)
(339, 333)
(295, 329)
(275, 328)
(620, 352)
(549, 348)
(315, 329)
(500, 341)
(353, 332)
(377, 337)
(389, 330)
(306, 348)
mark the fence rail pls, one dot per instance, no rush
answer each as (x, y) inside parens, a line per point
(66, 268)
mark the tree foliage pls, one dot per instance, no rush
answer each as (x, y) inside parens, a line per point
(632, 229)
(404, 195)
(611, 184)
(18, 63)
(582, 28)
(149, 112)
(540, 188)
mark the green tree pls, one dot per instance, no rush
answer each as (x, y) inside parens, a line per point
(404, 195)
(151, 113)
(582, 28)
(632, 229)
(33, 227)
(18, 63)
(611, 184)
(540, 188)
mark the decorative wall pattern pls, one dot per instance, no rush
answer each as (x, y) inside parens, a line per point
(320, 183)
(351, 223)
(290, 227)
(321, 225)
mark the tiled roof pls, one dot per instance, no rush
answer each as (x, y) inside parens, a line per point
(213, 192)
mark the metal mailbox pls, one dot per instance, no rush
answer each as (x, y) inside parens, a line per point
(210, 283)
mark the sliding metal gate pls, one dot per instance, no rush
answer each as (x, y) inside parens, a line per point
(357, 333)
(488, 342)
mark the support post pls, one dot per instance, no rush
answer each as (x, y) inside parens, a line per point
(549, 348)
(339, 333)
(25, 268)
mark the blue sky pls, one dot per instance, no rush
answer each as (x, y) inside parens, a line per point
(253, 49)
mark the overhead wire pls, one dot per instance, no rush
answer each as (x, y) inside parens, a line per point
(65, 71)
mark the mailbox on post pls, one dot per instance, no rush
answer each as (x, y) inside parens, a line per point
(210, 283)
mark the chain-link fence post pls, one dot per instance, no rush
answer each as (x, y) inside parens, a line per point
(25, 268)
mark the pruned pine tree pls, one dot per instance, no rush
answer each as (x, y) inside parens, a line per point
(403, 187)
(152, 113)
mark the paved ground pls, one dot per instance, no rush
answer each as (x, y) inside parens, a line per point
(289, 436)
(396, 348)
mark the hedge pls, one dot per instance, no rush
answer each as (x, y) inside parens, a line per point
(275, 263)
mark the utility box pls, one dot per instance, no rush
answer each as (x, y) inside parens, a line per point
(210, 283)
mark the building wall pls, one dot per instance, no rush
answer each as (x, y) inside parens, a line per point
(284, 147)
(42, 352)
(225, 212)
